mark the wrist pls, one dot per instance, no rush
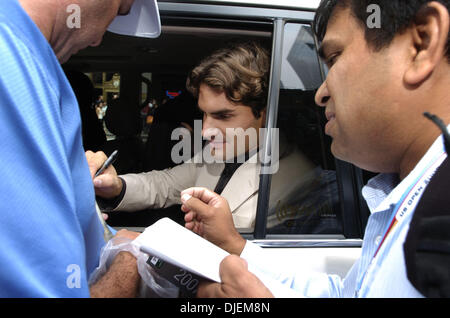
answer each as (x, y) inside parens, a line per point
(120, 188)
(236, 246)
(109, 204)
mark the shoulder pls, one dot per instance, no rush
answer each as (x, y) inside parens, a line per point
(23, 48)
(426, 257)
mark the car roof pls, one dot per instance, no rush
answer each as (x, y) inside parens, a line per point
(294, 4)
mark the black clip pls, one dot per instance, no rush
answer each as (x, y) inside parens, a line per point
(435, 119)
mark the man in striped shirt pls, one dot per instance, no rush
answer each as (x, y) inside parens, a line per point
(381, 80)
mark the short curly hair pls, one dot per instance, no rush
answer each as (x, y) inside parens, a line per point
(240, 71)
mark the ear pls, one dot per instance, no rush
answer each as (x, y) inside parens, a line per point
(263, 117)
(430, 35)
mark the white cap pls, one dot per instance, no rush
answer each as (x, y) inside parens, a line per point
(142, 21)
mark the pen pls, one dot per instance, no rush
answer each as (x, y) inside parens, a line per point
(107, 163)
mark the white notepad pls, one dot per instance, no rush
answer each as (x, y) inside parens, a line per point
(174, 244)
(181, 247)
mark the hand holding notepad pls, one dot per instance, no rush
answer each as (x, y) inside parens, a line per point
(190, 253)
(177, 245)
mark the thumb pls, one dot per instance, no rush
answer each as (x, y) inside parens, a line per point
(232, 266)
(105, 181)
(195, 205)
(207, 196)
(234, 262)
(102, 181)
(107, 186)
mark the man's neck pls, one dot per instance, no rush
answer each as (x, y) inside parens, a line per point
(43, 14)
(435, 99)
(415, 152)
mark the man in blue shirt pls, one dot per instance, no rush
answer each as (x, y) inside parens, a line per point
(381, 80)
(51, 235)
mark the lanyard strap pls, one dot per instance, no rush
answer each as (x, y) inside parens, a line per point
(407, 204)
(411, 197)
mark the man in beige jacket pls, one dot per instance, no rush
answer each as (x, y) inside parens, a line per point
(226, 106)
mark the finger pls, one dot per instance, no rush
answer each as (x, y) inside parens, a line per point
(205, 195)
(95, 161)
(198, 228)
(189, 217)
(88, 154)
(198, 207)
(193, 226)
(189, 225)
(184, 198)
(185, 209)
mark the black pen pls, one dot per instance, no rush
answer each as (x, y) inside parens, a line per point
(107, 163)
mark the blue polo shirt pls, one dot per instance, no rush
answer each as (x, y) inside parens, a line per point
(50, 235)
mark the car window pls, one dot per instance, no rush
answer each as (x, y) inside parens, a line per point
(304, 196)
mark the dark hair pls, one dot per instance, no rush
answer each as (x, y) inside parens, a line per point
(396, 17)
(240, 71)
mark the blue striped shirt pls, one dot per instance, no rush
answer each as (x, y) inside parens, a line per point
(381, 276)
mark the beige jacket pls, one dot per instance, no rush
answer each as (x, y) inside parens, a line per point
(160, 189)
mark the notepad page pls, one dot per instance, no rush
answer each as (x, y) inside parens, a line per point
(179, 246)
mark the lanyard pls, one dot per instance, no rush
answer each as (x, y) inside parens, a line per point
(406, 205)
(410, 198)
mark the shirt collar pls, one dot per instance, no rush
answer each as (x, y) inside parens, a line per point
(385, 189)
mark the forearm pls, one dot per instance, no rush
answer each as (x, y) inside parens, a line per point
(120, 281)
(156, 189)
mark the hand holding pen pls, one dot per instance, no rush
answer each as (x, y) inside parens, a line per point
(107, 234)
(107, 184)
(111, 159)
